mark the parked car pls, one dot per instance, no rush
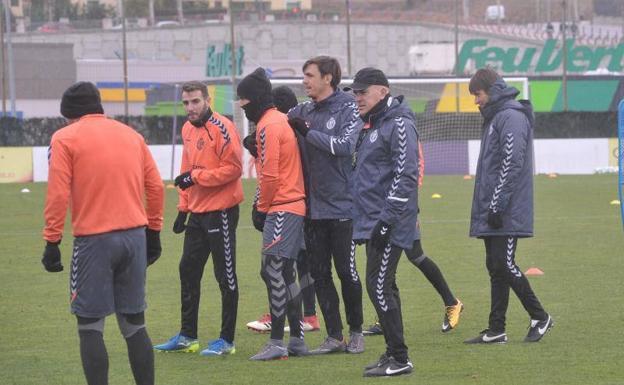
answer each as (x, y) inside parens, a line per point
(168, 24)
(55, 26)
(129, 25)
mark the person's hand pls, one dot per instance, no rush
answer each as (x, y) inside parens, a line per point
(154, 249)
(299, 125)
(52, 257)
(380, 235)
(184, 180)
(250, 144)
(180, 222)
(495, 219)
(258, 218)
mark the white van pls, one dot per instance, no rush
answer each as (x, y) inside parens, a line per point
(494, 13)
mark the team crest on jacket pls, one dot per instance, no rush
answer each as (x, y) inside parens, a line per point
(331, 123)
(200, 144)
(373, 136)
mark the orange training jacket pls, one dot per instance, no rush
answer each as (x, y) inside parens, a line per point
(280, 176)
(213, 154)
(106, 170)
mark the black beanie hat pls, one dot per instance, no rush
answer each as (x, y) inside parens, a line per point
(81, 99)
(255, 87)
(284, 98)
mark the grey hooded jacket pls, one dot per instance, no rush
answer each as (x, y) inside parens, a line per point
(334, 127)
(504, 180)
(385, 181)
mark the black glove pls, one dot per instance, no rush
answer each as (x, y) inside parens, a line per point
(380, 235)
(180, 222)
(258, 218)
(52, 257)
(495, 219)
(299, 125)
(152, 238)
(250, 144)
(184, 180)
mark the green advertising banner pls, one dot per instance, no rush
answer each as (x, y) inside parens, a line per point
(581, 58)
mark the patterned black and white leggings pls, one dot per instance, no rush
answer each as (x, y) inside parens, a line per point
(278, 273)
(500, 254)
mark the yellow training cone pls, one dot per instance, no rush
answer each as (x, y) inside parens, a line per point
(170, 185)
(615, 202)
(552, 175)
(436, 196)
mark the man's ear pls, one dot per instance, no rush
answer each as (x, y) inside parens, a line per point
(328, 78)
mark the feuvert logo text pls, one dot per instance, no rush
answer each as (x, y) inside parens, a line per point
(581, 58)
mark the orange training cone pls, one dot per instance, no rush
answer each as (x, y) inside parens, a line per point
(533, 271)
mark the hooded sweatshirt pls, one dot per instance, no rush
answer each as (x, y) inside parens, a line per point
(504, 180)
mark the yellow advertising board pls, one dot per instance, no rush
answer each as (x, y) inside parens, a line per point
(16, 164)
(613, 152)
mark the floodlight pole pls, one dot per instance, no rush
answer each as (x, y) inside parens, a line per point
(124, 59)
(564, 77)
(232, 55)
(152, 15)
(7, 20)
(348, 4)
(2, 62)
(174, 127)
(457, 69)
(181, 11)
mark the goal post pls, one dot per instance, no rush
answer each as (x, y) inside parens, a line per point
(447, 119)
(621, 157)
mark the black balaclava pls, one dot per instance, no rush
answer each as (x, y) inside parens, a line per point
(256, 88)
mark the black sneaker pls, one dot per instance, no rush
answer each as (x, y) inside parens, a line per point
(374, 330)
(382, 360)
(390, 367)
(538, 328)
(487, 337)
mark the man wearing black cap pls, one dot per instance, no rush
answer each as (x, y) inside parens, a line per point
(385, 205)
(329, 125)
(278, 213)
(105, 171)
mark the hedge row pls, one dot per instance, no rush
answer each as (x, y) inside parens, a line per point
(157, 130)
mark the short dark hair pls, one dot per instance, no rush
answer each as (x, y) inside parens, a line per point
(284, 98)
(195, 86)
(326, 65)
(483, 80)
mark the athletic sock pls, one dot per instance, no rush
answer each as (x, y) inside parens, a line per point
(94, 357)
(141, 357)
(434, 275)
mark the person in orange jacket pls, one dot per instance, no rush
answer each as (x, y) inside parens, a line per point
(285, 99)
(104, 171)
(277, 212)
(210, 189)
